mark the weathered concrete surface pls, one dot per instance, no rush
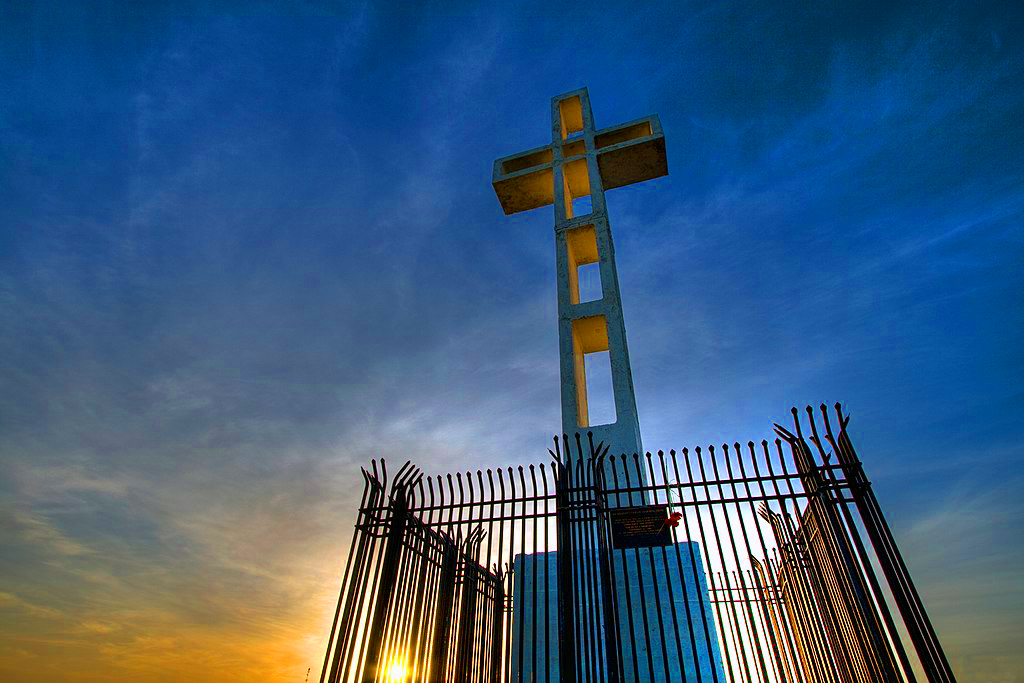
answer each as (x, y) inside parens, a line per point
(582, 161)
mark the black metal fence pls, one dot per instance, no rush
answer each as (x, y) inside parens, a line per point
(772, 563)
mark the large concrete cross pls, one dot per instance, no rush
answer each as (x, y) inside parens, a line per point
(582, 162)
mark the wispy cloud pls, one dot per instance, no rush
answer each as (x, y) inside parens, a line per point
(249, 253)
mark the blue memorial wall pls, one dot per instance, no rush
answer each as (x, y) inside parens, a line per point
(658, 591)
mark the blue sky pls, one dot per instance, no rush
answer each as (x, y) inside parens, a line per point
(246, 247)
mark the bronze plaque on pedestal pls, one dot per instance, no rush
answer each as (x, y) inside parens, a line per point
(643, 526)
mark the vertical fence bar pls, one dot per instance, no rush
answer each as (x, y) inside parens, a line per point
(815, 657)
(771, 578)
(624, 564)
(653, 482)
(754, 640)
(389, 572)
(497, 628)
(443, 619)
(693, 570)
(371, 574)
(567, 667)
(609, 606)
(706, 552)
(774, 644)
(590, 581)
(357, 549)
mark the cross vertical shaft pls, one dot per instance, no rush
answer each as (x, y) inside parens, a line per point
(582, 162)
(593, 326)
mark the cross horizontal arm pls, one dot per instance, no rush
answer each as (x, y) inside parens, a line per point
(627, 153)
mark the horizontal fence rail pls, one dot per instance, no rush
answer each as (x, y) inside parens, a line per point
(760, 562)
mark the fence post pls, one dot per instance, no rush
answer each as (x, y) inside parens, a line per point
(388, 574)
(499, 614)
(565, 564)
(467, 614)
(443, 620)
(609, 608)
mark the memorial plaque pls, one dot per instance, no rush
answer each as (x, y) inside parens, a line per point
(640, 527)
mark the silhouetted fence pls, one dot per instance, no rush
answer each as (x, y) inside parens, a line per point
(745, 563)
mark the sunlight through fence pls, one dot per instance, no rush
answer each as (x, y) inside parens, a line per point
(757, 562)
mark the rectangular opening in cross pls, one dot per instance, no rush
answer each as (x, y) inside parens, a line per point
(576, 179)
(571, 111)
(600, 393)
(581, 206)
(595, 393)
(584, 267)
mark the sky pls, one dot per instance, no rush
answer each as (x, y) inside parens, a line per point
(247, 247)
